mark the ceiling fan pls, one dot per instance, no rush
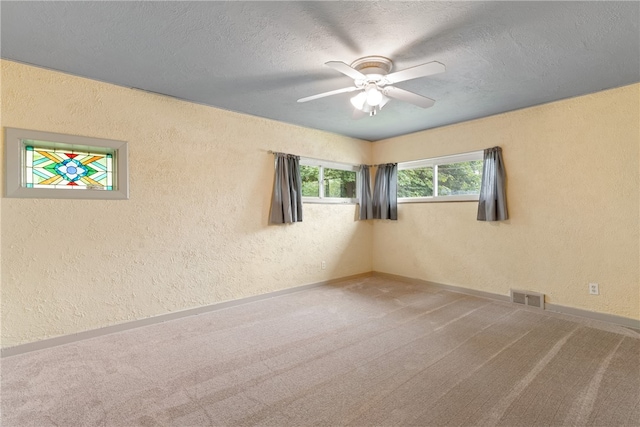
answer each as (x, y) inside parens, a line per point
(374, 83)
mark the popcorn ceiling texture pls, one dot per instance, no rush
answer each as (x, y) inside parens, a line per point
(194, 231)
(573, 179)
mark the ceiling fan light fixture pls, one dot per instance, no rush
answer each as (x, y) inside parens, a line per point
(359, 100)
(374, 96)
(374, 84)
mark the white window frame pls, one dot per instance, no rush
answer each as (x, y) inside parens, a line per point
(15, 171)
(322, 164)
(434, 163)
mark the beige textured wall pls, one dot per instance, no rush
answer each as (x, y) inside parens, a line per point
(194, 231)
(573, 187)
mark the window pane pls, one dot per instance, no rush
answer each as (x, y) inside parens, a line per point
(460, 178)
(415, 182)
(339, 183)
(66, 169)
(310, 184)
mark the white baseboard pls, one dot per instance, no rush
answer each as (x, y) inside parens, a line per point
(92, 333)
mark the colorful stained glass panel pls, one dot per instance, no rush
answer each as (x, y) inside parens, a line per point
(67, 169)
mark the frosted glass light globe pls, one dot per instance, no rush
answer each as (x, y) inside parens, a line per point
(374, 96)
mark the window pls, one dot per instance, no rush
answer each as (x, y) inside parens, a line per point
(67, 169)
(416, 182)
(310, 180)
(339, 183)
(49, 165)
(450, 178)
(328, 182)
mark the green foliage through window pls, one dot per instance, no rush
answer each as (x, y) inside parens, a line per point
(459, 175)
(339, 183)
(320, 181)
(310, 180)
(455, 179)
(415, 182)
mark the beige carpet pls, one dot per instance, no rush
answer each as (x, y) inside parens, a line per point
(369, 352)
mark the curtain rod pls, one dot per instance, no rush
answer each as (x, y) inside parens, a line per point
(325, 160)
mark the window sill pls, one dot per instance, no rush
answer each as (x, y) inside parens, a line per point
(445, 199)
(329, 201)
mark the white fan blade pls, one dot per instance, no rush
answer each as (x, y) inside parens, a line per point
(345, 69)
(405, 95)
(384, 101)
(358, 114)
(333, 92)
(423, 70)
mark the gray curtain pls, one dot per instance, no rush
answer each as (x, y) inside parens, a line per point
(286, 202)
(385, 192)
(493, 197)
(366, 209)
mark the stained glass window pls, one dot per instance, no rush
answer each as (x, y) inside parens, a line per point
(67, 168)
(41, 165)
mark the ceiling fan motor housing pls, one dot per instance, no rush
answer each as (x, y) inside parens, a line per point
(373, 65)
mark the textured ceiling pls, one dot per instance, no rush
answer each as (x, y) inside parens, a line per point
(260, 57)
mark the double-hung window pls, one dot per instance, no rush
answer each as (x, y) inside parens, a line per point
(328, 182)
(450, 178)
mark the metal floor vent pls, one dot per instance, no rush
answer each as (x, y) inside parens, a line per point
(528, 298)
